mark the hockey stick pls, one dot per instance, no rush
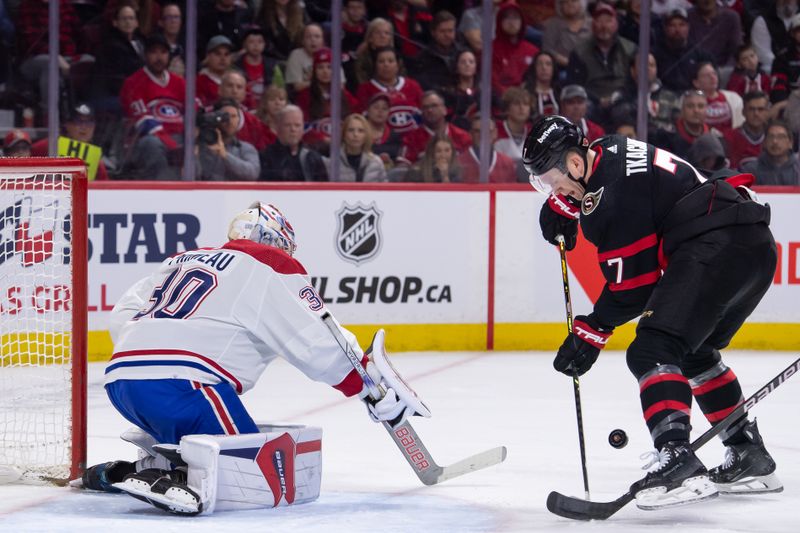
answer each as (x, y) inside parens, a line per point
(578, 509)
(406, 438)
(576, 384)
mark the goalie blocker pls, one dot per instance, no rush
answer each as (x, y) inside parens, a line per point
(280, 466)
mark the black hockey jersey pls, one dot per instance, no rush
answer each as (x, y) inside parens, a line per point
(634, 186)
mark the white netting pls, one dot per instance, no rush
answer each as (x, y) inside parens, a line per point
(35, 324)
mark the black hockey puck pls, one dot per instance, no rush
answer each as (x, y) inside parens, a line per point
(618, 439)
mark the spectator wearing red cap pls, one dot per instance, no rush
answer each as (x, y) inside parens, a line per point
(404, 93)
(386, 142)
(511, 53)
(600, 63)
(217, 62)
(17, 143)
(315, 101)
(434, 121)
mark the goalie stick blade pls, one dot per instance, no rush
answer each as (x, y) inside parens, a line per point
(578, 509)
(465, 466)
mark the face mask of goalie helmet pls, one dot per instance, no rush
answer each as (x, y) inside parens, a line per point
(265, 224)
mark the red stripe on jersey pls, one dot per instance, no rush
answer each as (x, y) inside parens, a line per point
(277, 260)
(716, 416)
(352, 382)
(220, 411)
(667, 405)
(639, 281)
(309, 446)
(134, 353)
(660, 378)
(196, 385)
(632, 249)
(715, 383)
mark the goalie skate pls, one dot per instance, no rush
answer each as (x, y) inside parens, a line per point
(679, 479)
(166, 490)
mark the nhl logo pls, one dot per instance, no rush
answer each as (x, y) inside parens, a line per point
(358, 237)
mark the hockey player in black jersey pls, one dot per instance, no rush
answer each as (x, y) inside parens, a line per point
(691, 258)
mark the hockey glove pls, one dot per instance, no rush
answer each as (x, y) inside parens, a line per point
(559, 216)
(390, 408)
(581, 347)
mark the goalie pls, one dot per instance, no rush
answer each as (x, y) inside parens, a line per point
(197, 333)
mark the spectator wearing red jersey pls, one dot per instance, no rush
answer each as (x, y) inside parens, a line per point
(748, 75)
(511, 53)
(250, 128)
(255, 65)
(217, 62)
(32, 32)
(434, 121)
(512, 130)
(501, 167)
(404, 93)
(574, 107)
(411, 23)
(315, 101)
(724, 110)
(744, 142)
(153, 102)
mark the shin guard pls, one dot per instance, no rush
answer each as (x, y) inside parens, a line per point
(666, 403)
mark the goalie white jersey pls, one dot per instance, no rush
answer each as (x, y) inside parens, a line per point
(223, 314)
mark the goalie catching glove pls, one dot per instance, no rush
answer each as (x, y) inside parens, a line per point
(582, 346)
(559, 216)
(388, 398)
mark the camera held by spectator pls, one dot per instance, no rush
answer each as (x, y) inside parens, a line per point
(209, 124)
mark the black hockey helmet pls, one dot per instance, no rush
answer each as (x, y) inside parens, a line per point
(548, 142)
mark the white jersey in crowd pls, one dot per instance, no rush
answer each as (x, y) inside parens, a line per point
(223, 314)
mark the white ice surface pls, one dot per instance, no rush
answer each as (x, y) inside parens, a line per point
(479, 400)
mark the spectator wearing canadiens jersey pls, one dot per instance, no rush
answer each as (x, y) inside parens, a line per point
(434, 121)
(724, 109)
(404, 93)
(152, 100)
(244, 304)
(691, 258)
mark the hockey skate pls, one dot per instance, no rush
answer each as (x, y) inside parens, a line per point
(165, 489)
(103, 476)
(748, 467)
(679, 479)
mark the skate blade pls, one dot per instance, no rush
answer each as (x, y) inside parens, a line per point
(752, 485)
(692, 490)
(174, 500)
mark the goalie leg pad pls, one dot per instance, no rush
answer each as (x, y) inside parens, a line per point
(280, 467)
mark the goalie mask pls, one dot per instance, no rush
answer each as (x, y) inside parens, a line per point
(265, 224)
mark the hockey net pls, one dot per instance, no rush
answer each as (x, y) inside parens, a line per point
(43, 278)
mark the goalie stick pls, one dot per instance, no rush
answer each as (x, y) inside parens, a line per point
(578, 509)
(406, 438)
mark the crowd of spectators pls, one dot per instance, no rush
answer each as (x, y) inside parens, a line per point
(723, 84)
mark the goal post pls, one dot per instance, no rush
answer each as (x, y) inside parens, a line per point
(43, 319)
